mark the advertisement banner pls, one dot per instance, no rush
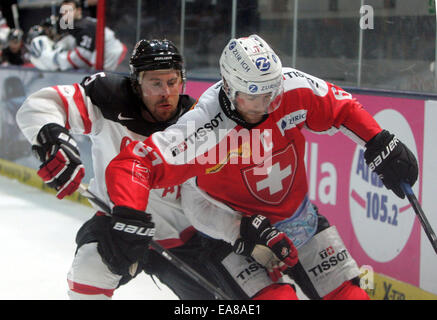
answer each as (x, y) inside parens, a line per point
(378, 228)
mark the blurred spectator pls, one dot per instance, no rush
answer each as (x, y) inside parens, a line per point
(13, 146)
(78, 49)
(6, 9)
(14, 53)
(4, 32)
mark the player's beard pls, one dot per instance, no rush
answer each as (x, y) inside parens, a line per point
(164, 110)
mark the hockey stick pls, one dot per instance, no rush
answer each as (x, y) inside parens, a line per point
(15, 16)
(420, 214)
(178, 263)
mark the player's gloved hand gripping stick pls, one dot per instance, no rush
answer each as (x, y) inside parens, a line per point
(267, 245)
(217, 292)
(398, 169)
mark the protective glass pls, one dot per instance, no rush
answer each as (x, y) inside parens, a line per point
(264, 103)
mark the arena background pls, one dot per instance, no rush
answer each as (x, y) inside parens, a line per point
(382, 51)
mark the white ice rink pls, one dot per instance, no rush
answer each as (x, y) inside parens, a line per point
(37, 233)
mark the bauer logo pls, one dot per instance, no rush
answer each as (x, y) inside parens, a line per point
(141, 231)
(163, 58)
(376, 212)
(262, 63)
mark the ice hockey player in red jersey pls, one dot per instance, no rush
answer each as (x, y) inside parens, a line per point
(243, 144)
(114, 110)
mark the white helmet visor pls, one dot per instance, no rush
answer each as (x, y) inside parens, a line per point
(260, 98)
(166, 82)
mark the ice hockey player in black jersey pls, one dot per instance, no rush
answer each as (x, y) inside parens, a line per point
(83, 29)
(14, 53)
(114, 110)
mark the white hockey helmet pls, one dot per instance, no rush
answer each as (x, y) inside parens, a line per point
(250, 66)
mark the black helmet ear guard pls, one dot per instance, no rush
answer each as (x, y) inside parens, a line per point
(154, 55)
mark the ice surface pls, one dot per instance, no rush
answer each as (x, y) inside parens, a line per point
(37, 233)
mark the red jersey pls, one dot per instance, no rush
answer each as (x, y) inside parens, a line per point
(254, 169)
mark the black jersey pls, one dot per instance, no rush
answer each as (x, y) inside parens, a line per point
(84, 32)
(83, 55)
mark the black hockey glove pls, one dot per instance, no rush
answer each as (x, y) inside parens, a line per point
(392, 161)
(126, 241)
(61, 166)
(267, 245)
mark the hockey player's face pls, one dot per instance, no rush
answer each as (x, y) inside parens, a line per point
(252, 107)
(15, 46)
(161, 89)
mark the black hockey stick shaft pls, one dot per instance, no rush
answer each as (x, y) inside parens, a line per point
(420, 214)
(217, 292)
(178, 263)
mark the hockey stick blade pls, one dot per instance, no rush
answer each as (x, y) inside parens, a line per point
(181, 265)
(420, 214)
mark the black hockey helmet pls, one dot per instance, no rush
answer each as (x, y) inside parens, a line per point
(34, 32)
(154, 55)
(15, 35)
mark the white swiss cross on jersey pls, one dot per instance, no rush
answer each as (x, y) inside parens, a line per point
(270, 182)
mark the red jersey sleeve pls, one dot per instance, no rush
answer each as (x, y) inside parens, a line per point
(329, 107)
(140, 167)
(338, 109)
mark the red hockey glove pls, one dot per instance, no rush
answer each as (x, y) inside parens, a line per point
(61, 166)
(392, 161)
(267, 245)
